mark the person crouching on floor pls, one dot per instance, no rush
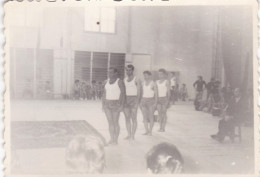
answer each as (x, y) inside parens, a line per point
(85, 155)
(164, 158)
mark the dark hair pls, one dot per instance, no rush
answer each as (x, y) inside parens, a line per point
(76, 81)
(114, 69)
(200, 77)
(172, 156)
(130, 67)
(91, 148)
(163, 71)
(147, 72)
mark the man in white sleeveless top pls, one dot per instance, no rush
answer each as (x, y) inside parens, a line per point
(164, 95)
(113, 103)
(148, 103)
(132, 86)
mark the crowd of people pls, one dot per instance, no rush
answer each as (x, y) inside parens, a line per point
(84, 90)
(230, 104)
(130, 93)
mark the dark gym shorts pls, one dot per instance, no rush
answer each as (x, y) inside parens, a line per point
(163, 101)
(131, 102)
(113, 105)
(147, 102)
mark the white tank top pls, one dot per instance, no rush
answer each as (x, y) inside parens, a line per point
(148, 91)
(130, 87)
(162, 89)
(112, 90)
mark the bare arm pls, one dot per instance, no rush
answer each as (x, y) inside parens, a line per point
(122, 92)
(155, 93)
(168, 85)
(139, 89)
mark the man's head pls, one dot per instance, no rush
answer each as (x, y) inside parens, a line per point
(76, 81)
(112, 73)
(212, 79)
(129, 70)
(85, 155)
(200, 78)
(164, 158)
(184, 85)
(147, 75)
(162, 73)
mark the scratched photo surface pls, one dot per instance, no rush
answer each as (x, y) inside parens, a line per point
(130, 89)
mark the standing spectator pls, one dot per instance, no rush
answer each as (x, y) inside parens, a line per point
(210, 87)
(199, 85)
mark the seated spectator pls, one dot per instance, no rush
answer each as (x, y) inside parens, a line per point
(164, 158)
(85, 155)
(99, 90)
(216, 100)
(227, 94)
(88, 91)
(83, 90)
(94, 90)
(232, 116)
(76, 90)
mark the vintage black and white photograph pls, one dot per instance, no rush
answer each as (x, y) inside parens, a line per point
(111, 89)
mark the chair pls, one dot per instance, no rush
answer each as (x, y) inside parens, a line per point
(236, 133)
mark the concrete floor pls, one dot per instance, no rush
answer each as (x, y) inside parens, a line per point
(189, 130)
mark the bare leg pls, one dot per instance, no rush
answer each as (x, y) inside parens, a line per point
(127, 113)
(151, 119)
(111, 126)
(134, 122)
(160, 115)
(145, 117)
(116, 115)
(164, 119)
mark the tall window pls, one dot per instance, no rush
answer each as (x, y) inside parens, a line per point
(100, 19)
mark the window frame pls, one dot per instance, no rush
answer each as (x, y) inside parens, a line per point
(100, 32)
